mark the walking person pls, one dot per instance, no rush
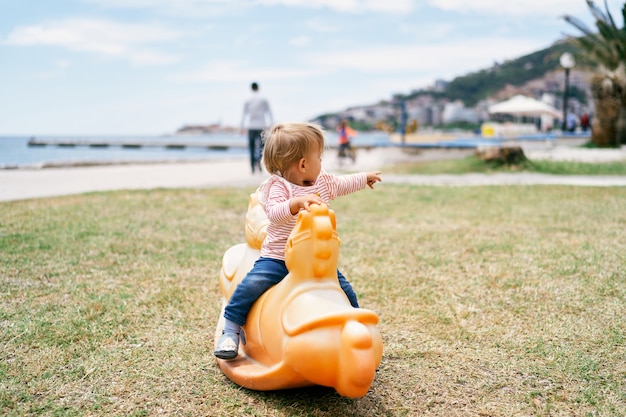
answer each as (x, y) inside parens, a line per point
(571, 121)
(257, 113)
(584, 122)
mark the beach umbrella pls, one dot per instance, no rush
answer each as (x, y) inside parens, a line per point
(524, 106)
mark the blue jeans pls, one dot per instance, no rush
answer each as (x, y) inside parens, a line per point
(265, 273)
(255, 145)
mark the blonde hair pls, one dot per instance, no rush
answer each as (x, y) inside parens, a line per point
(287, 143)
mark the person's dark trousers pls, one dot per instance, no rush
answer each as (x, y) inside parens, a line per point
(254, 138)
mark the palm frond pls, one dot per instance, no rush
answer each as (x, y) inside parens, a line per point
(598, 55)
(614, 38)
(593, 43)
(607, 45)
(597, 13)
(608, 12)
(578, 24)
(608, 33)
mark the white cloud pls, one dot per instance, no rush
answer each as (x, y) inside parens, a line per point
(238, 71)
(207, 8)
(62, 63)
(321, 25)
(443, 59)
(392, 6)
(107, 38)
(434, 30)
(55, 70)
(529, 8)
(138, 4)
(300, 41)
(212, 8)
(182, 8)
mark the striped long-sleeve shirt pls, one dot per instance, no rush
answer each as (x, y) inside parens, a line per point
(275, 193)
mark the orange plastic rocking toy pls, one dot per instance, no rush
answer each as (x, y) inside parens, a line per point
(303, 331)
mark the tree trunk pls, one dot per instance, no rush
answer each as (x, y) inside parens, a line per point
(502, 155)
(609, 126)
(620, 128)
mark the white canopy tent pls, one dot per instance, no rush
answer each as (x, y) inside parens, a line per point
(524, 106)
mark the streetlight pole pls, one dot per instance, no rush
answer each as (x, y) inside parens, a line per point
(567, 61)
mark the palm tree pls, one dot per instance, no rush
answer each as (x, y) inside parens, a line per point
(606, 49)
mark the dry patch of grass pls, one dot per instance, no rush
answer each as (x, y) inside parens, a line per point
(494, 301)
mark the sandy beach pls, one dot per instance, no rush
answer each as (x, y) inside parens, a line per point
(20, 184)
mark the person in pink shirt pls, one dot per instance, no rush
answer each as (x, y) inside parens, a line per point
(293, 157)
(346, 133)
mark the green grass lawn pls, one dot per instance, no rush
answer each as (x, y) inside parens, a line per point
(472, 164)
(494, 301)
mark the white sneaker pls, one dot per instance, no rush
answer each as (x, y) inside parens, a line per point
(227, 346)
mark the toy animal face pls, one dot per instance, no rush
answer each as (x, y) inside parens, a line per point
(256, 223)
(313, 246)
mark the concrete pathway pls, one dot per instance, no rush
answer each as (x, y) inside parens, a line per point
(36, 183)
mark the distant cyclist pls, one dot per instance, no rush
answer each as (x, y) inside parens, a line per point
(346, 133)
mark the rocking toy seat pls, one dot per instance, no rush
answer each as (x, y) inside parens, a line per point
(303, 331)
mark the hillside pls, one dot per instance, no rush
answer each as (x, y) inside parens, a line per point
(473, 87)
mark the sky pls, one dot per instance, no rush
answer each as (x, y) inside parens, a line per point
(148, 67)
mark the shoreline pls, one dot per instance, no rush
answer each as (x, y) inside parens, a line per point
(88, 163)
(368, 155)
(114, 150)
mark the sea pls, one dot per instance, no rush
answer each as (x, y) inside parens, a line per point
(15, 152)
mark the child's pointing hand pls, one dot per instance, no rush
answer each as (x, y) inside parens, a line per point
(373, 178)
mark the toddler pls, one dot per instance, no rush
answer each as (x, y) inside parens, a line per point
(293, 157)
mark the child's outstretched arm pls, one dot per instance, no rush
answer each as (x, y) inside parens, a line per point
(350, 183)
(373, 178)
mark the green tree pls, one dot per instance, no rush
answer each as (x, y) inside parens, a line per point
(606, 49)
